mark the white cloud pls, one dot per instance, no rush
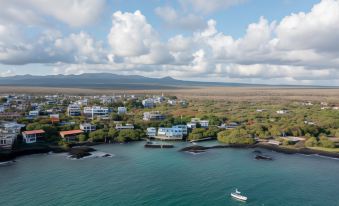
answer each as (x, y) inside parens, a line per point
(179, 20)
(316, 30)
(83, 47)
(35, 12)
(52, 47)
(210, 5)
(301, 47)
(131, 35)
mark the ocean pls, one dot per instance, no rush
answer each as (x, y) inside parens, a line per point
(161, 177)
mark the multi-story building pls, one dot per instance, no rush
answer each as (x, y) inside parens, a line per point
(8, 134)
(195, 121)
(96, 111)
(155, 115)
(173, 133)
(73, 110)
(183, 127)
(151, 132)
(87, 127)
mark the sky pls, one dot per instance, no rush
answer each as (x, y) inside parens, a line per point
(245, 41)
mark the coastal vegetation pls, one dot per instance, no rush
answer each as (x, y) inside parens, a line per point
(315, 123)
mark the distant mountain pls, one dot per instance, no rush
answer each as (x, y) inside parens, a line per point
(105, 80)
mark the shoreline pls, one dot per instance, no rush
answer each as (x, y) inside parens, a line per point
(291, 151)
(6, 156)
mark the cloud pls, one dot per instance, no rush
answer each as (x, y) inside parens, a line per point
(177, 20)
(131, 35)
(301, 47)
(209, 6)
(52, 47)
(75, 13)
(316, 30)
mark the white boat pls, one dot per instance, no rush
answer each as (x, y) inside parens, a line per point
(237, 195)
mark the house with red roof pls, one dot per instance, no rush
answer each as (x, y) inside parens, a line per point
(71, 135)
(33, 136)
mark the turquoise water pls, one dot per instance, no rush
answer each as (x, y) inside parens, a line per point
(161, 177)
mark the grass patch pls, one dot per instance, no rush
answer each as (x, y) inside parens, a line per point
(325, 149)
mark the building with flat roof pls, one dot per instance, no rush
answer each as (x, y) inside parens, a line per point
(155, 115)
(96, 111)
(122, 110)
(151, 132)
(195, 121)
(87, 127)
(173, 133)
(73, 110)
(121, 127)
(148, 103)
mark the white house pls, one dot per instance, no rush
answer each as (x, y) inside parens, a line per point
(33, 136)
(82, 102)
(12, 127)
(8, 134)
(173, 133)
(7, 139)
(191, 125)
(148, 103)
(172, 102)
(204, 123)
(2, 108)
(195, 121)
(96, 111)
(155, 115)
(158, 99)
(87, 127)
(33, 113)
(73, 110)
(151, 132)
(121, 127)
(283, 111)
(122, 110)
(183, 127)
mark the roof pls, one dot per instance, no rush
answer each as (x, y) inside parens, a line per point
(39, 131)
(70, 132)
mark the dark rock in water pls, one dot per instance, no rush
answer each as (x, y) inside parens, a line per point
(154, 145)
(197, 151)
(106, 155)
(194, 148)
(80, 152)
(257, 152)
(262, 157)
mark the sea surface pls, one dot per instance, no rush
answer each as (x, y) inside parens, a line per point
(139, 176)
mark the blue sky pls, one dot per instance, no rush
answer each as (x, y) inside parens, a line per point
(253, 41)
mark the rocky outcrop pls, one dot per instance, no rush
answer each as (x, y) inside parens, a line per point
(80, 152)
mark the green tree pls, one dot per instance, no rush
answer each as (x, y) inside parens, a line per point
(325, 142)
(235, 136)
(311, 142)
(82, 138)
(113, 133)
(98, 135)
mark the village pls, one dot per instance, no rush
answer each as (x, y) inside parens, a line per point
(65, 120)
